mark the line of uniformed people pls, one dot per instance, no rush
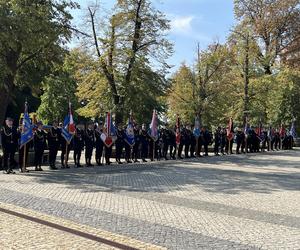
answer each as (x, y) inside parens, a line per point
(166, 147)
(251, 141)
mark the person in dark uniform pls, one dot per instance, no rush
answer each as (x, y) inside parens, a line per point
(182, 142)
(119, 143)
(187, 142)
(206, 140)
(265, 141)
(39, 140)
(108, 152)
(65, 151)
(193, 143)
(23, 167)
(54, 139)
(99, 143)
(217, 140)
(201, 142)
(144, 143)
(78, 144)
(240, 141)
(89, 141)
(171, 140)
(9, 138)
(277, 140)
(223, 140)
(135, 150)
(128, 147)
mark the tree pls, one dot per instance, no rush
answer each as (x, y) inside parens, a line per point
(59, 89)
(180, 96)
(214, 83)
(207, 91)
(141, 96)
(136, 32)
(275, 23)
(31, 32)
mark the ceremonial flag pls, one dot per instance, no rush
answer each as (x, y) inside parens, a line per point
(177, 132)
(27, 128)
(196, 131)
(154, 126)
(282, 131)
(230, 131)
(293, 130)
(129, 132)
(109, 134)
(68, 129)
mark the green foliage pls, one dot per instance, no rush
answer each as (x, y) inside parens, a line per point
(134, 39)
(142, 95)
(31, 37)
(58, 89)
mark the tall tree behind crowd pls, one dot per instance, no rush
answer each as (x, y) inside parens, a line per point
(135, 35)
(31, 35)
(275, 23)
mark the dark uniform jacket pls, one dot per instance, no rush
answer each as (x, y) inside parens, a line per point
(54, 137)
(89, 138)
(40, 140)
(78, 139)
(9, 138)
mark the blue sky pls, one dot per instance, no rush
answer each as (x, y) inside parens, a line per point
(192, 21)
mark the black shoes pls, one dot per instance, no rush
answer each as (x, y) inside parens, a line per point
(9, 171)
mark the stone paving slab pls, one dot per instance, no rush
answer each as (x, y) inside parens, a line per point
(48, 237)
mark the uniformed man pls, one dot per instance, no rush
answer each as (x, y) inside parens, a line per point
(89, 141)
(39, 141)
(78, 144)
(187, 142)
(265, 140)
(54, 139)
(193, 142)
(182, 132)
(223, 140)
(9, 138)
(135, 150)
(128, 147)
(22, 166)
(99, 145)
(171, 138)
(217, 140)
(206, 140)
(144, 143)
(240, 141)
(119, 144)
(65, 151)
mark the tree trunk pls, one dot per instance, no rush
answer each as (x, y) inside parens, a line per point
(5, 96)
(246, 82)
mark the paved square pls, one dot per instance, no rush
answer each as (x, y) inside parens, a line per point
(231, 202)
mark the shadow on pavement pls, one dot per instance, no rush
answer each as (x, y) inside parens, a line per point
(207, 175)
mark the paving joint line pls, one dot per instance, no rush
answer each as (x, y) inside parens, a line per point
(68, 230)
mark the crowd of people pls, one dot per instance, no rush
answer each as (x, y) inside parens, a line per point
(172, 143)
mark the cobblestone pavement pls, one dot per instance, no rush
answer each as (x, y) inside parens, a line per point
(231, 202)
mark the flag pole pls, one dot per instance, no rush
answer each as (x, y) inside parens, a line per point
(24, 158)
(197, 145)
(66, 154)
(153, 156)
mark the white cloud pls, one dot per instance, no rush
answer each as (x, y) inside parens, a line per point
(181, 24)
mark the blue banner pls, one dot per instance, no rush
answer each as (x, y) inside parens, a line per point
(129, 133)
(27, 129)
